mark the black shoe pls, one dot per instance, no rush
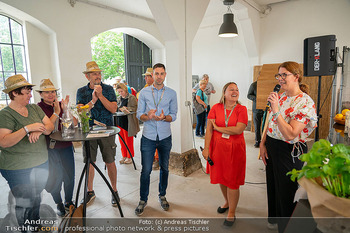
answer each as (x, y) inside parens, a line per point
(67, 204)
(229, 223)
(257, 144)
(163, 203)
(114, 202)
(222, 210)
(140, 208)
(60, 210)
(90, 197)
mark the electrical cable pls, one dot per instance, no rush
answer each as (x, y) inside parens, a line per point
(327, 93)
(247, 182)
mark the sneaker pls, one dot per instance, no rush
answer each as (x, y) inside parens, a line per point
(272, 226)
(128, 161)
(60, 210)
(114, 202)
(140, 208)
(122, 160)
(155, 165)
(68, 204)
(90, 197)
(257, 144)
(163, 203)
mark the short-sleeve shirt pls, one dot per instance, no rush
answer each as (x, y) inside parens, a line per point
(208, 89)
(203, 96)
(300, 108)
(98, 112)
(23, 154)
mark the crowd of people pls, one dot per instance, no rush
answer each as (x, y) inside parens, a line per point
(30, 160)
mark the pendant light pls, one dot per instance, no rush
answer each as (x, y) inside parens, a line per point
(228, 27)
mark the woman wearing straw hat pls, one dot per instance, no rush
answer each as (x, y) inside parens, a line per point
(23, 157)
(61, 155)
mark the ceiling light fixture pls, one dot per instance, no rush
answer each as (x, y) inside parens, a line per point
(228, 27)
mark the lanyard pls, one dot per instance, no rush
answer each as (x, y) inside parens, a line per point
(161, 97)
(227, 119)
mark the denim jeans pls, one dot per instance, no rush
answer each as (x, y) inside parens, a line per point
(61, 170)
(148, 148)
(26, 186)
(201, 118)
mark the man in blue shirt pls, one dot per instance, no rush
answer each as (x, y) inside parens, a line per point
(102, 103)
(157, 108)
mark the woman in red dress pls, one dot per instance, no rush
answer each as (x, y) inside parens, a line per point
(225, 145)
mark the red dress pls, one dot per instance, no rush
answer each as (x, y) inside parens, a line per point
(228, 155)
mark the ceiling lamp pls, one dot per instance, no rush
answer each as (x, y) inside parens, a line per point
(228, 27)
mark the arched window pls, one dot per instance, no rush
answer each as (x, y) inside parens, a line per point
(12, 53)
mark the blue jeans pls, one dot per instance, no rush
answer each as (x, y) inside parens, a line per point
(148, 148)
(26, 186)
(201, 123)
(61, 170)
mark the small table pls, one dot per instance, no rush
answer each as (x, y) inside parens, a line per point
(115, 119)
(80, 136)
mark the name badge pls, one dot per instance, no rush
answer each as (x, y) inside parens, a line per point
(226, 136)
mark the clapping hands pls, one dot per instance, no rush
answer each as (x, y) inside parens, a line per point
(152, 115)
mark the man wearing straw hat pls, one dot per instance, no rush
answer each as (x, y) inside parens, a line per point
(102, 103)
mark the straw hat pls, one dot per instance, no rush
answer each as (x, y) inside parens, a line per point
(46, 85)
(14, 82)
(149, 71)
(91, 66)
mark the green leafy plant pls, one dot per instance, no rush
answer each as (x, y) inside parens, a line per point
(330, 163)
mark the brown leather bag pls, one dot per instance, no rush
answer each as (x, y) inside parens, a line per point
(73, 219)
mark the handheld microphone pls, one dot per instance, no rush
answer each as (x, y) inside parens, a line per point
(276, 89)
(211, 163)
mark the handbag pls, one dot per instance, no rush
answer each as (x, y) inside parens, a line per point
(72, 219)
(197, 107)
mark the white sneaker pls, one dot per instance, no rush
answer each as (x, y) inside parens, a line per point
(272, 226)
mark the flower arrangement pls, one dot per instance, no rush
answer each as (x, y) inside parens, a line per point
(84, 117)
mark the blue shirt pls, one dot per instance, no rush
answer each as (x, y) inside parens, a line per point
(168, 103)
(98, 112)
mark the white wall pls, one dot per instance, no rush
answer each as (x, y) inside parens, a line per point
(285, 28)
(223, 59)
(39, 47)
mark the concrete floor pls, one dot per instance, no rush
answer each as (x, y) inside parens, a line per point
(189, 197)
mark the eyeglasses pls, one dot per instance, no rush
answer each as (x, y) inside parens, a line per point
(283, 76)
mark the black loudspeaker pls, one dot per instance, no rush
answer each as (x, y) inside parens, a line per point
(320, 56)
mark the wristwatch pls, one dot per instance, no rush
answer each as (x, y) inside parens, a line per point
(27, 131)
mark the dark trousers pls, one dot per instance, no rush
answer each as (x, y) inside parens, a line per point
(257, 118)
(61, 171)
(280, 188)
(201, 123)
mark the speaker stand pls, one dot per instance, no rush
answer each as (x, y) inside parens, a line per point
(319, 116)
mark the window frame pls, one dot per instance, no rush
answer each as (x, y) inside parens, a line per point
(4, 73)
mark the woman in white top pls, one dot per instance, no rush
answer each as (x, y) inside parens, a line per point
(292, 119)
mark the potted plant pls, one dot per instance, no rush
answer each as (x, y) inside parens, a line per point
(326, 178)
